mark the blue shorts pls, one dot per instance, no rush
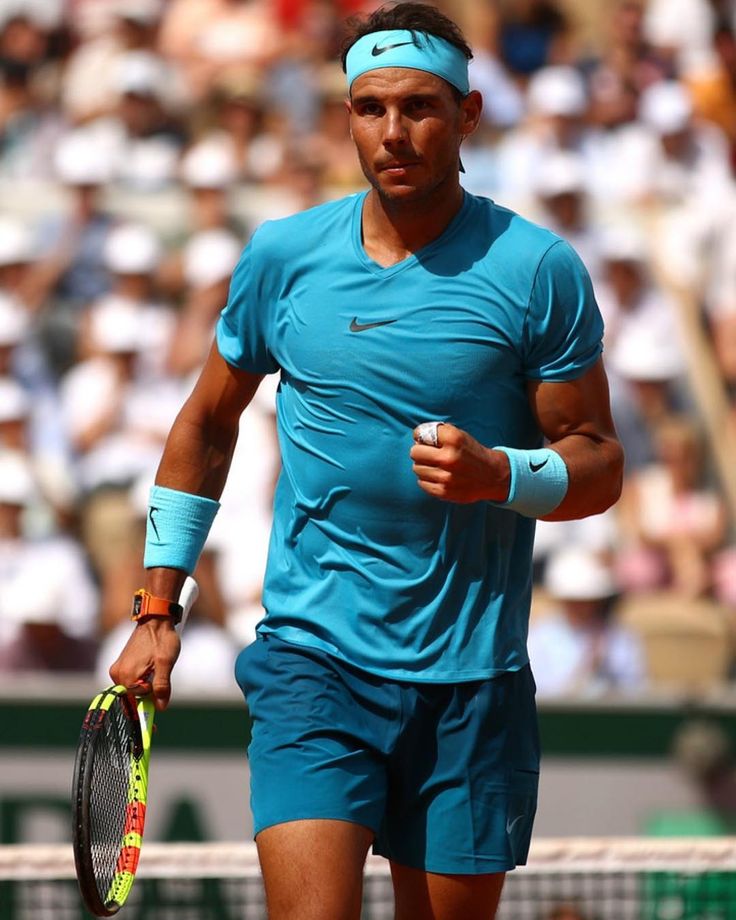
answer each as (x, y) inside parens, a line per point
(445, 775)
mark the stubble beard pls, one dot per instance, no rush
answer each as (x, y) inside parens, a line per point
(397, 197)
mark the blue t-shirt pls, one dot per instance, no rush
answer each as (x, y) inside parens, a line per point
(363, 563)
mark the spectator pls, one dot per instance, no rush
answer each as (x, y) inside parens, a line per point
(672, 522)
(43, 624)
(89, 82)
(330, 144)
(254, 138)
(712, 85)
(29, 124)
(533, 34)
(70, 271)
(579, 647)
(626, 67)
(645, 358)
(557, 104)
(565, 206)
(681, 160)
(140, 135)
(132, 255)
(206, 38)
(681, 30)
(208, 262)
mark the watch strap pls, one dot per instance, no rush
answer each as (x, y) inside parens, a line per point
(147, 605)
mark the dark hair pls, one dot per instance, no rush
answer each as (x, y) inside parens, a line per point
(416, 17)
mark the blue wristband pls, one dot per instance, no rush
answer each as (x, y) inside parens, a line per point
(176, 528)
(539, 481)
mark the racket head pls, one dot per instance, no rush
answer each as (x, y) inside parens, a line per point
(109, 797)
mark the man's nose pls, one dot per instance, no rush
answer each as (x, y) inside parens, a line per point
(394, 127)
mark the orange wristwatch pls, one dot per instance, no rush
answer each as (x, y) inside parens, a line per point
(146, 605)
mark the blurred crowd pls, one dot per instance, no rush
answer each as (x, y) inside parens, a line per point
(142, 141)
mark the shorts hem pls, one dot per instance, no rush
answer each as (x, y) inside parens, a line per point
(467, 867)
(311, 816)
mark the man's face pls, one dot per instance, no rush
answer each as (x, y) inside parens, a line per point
(407, 126)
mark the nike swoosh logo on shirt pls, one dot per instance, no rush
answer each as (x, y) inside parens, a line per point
(381, 50)
(355, 326)
(536, 467)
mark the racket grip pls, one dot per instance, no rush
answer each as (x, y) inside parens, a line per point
(187, 597)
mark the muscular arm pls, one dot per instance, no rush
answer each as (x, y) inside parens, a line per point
(196, 459)
(574, 416)
(200, 445)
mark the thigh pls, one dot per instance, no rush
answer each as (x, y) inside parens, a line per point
(313, 870)
(433, 896)
(463, 784)
(315, 748)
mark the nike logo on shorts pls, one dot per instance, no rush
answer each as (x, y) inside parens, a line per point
(510, 825)
(355, 326)
(376, 50)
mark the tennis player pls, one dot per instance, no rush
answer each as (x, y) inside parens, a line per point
(389, 686)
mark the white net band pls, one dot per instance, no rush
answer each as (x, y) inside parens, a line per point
(239, 860)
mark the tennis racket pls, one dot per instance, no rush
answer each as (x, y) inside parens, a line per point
(110, 790)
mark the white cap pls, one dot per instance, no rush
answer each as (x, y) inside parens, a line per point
(623, 243)
(210, 257)
(17, 483)
(209, 164)
(132, 249)
(576, 574)
(14, 403)
(115, 326)
(13, 321)
(557, 91)
(15, 242)
(560, 174)
(81, 160)
(666, 107)
(142, 73)
(647, 355)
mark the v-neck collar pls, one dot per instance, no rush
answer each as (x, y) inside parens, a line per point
(412, 258)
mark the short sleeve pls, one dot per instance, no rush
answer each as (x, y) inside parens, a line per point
(564, 329)
(243, 327)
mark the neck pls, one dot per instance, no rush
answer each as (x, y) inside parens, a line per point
(393, 230)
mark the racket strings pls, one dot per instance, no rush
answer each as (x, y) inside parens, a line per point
(110, 809)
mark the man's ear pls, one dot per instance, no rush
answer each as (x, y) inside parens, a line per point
(471, 107)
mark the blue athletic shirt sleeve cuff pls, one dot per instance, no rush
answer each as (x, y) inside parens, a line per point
(563, 330)
(244, 326)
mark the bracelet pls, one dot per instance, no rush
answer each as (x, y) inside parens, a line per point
(539, 481)
(176, 528)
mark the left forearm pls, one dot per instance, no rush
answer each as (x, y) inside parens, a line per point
(595, 473)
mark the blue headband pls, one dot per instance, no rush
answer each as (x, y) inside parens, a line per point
(414, 50)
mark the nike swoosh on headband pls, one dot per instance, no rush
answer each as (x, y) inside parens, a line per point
(376, 50)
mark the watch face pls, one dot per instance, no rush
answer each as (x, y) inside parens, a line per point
(137, 605)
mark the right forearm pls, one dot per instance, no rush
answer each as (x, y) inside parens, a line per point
(197, 455)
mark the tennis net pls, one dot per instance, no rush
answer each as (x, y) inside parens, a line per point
(606, 879)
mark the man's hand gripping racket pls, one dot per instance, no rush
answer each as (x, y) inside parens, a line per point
(110, 786)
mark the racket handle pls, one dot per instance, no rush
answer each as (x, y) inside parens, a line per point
(187, 598)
